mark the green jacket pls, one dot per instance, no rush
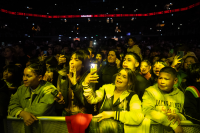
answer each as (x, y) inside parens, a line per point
(39, 103)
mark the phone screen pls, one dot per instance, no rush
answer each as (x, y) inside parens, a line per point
(45, 52)
(93, 67)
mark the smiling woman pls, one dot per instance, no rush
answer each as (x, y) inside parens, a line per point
(34, 97)
(119, 102)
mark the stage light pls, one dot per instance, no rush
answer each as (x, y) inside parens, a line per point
(77, 24)
(179, 28)
(116, 23)
(172, 14)
(180, 24)
(122, 6)
(33, 24)
(55, 4)
(69, 37)
(27, 7)
(71, 31)
(91, 36)
(47, 13)
(121, 36)
(26, 17)
(59, 40)
(163, 22)
(172, 23)
(85, 37)
(155, 5)
(114, 36)
(105, 37)
(150, 28)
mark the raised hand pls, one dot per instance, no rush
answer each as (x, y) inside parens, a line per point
(61, 59)
(91, 78)
(72, 76)
(176, 61)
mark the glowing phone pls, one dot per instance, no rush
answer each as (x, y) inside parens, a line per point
(45, 52)
(93, 67)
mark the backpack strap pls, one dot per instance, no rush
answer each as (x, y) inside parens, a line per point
(129, 99)
(193, 90)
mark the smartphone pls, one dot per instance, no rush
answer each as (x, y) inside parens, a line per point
(180, 54)
(45, 52)
(93, 67)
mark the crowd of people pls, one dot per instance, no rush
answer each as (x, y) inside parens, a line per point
(134, 83)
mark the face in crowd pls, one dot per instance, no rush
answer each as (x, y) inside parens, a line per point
(157, 67)
(144, 67)
(75, 64)
(188, 61)
(121, 81)
(99, 57)
(7, 75)
(166, 81)
(8, 53)
(130, 42)
(111, 57)
(130, 62)
(30, 78)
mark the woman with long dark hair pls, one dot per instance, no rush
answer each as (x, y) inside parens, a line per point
(120, 107)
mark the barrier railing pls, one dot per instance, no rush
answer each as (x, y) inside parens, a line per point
(58, 125)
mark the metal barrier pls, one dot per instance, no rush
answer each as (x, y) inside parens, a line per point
(58, 125)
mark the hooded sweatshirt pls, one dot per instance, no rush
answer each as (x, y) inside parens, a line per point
(157, 104)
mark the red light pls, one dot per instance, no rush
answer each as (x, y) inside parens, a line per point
(126, 15)
(28, 14)
(20, 13)
(167, 11)
(183, 9)
(177, 10)
(44, 16)
(191, 6)
(101, 15)
(150, 14)
(55, 16)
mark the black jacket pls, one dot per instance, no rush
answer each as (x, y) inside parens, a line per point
(192, 103)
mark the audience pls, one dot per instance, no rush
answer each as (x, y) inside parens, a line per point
(69, 74)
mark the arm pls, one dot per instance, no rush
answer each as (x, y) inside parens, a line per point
(148, 107)
(15, 106)
(132, 117)
(92, 97)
